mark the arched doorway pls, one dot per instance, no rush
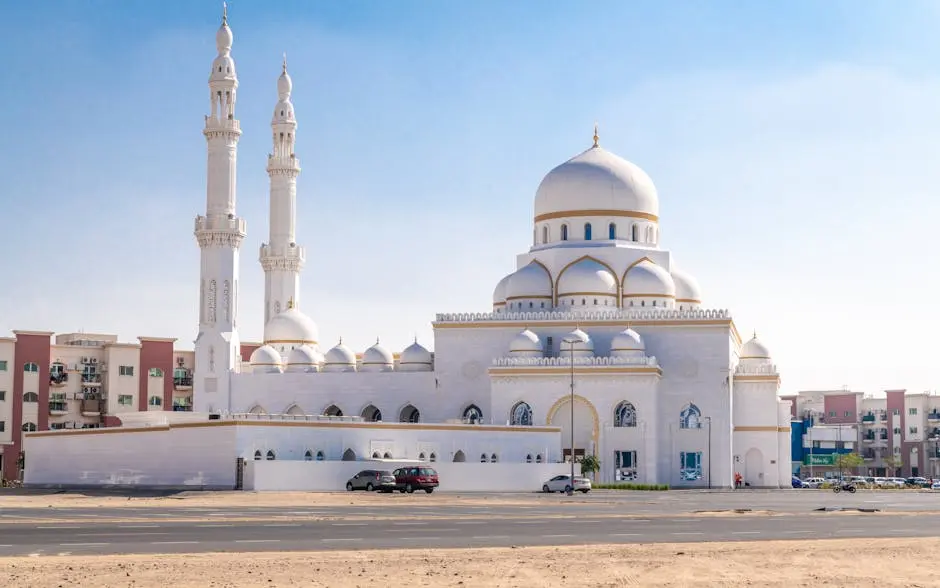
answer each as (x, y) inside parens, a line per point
(349, 455)
(585, 426)
(409, 414)
(295, 410)
(459, 456)
(754, 467)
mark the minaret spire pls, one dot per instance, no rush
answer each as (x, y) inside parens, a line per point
(219, 233)
(281, 257)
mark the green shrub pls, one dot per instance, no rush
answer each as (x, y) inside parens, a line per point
(630, 486)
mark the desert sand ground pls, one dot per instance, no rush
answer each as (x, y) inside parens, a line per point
(831, 563)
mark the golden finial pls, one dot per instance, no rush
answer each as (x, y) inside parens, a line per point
(596, 137)
(224, 13)
(290, 303)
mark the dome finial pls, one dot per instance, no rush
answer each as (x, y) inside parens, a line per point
(755, 334)
(224, 13)
(284, 64)
(596, 137)
(290, 303)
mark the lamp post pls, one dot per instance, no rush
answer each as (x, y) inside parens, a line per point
(708, 419)
(571, 340)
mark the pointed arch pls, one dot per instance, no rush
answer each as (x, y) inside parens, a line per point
(257, 409)
(409, 414)
(472, 414)
(333, 411)
(582, 258)
(460, 456)
(690, 417)
(294, 410)
(520, 415)
(349, 455)
(623, 278)
(612, 231)
(270, 455)
(371, 413)
(588, 231)
(625, 414)
(308, 455)
(257, 455)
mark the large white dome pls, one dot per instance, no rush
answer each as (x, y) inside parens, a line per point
(600, 182)
(526, 344)
(627, 343)
(532, 281)
(499, 293)
(291, 327)
(687, 288)
(755, 349)
(265, 359)
(415, 358)
(339, 359)
(304, 358)
(646, 279)
(587, 277)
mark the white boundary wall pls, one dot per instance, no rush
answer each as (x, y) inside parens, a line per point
(454, 477)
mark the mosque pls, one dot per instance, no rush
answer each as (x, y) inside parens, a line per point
(598, 313)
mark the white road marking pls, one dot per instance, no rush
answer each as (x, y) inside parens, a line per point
(470, 522)
(343, 539)
(283, 525)
(683, 520)
(624, 535)
(80, 544)
(213, 526)
(173, 542)
(531, 522)
(556, 536)
(413, 523)
(257, 541)
(850, 531)
(421, 538)
(139, 527)
(795, 532)
(348, 524)
(60, 527)
(492, 537)
(689, 533)
(6, 546)
(112, 534)
(745, 532)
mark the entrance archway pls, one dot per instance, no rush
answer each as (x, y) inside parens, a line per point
(586, 425)
(754, 467)
(349, 455)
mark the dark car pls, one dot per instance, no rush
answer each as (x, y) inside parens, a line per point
(370, 480)
(414, 478)
(796, 482)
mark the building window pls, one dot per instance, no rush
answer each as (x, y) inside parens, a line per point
(832, 413)
(473, 414)
(308, 455)
(155, 401)
(538, 458)
(30, 367)
(690, 417)
(912, 411)
(126, 370)
(270, 456)
(257, 456)
(521, 415)
(897, 430)
(528, 458)
(912, 430)
(155, 372)
(587, 231)
(320, 456)
(433, 457)
(3, 365)
(545, 234)
(690, 466)
(625, 415)
(3, 426)
(30, 397)
(29, 427)
(634, 233)
(409, 414)
(483, 458)
(896, 412)
(493, 458)
(611, 231)
(564, 232)
(3, 395)
(848, 413)
(125, 399)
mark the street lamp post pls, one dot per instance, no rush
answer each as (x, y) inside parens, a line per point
(571, 340)
(708, 419)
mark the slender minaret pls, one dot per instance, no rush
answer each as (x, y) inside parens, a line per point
(281, 257)
(219, 234)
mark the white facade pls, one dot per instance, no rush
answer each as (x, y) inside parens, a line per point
(664, 390)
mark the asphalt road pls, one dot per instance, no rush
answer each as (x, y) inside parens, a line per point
(192, 537)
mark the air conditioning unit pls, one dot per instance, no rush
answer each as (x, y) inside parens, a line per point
(94, 360)
(84, 360)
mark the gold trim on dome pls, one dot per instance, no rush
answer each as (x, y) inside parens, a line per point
(563, 294)
(547, 297)
(692, 300)
(596, 212)
(580, 259)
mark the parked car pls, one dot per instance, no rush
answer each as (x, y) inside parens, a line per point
(562, 483)
(895, 483)
(416, 478)
(813, 482)
(935, 485)
(796, 482)
(917, 482)
(370, 480)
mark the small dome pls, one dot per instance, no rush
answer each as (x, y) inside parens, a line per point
(223, 38)
(597, 180)
(291, 327)
(525, 343)
(532, 281)
(646, 279)
(304, 358)
(755, 349)
(377, 359)
(265, 359)
(499, 293)
(687, 288)
(583, 345)
(415, 358)
(284, 84)
(587, 277)
(627, 343)
(340, 358)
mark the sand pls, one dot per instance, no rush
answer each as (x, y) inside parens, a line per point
(831, 563)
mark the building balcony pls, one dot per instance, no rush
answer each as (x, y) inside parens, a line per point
(185, 383)
(182, 408)
(91, 407)
(933, 416)
(91, 378)
(868, 419)
(58, 379)
(58, 408)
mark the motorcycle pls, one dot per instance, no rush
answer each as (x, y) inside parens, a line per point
(848, 487)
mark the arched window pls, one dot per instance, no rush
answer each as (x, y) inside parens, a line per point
(494, 458)
(538, 458)
(257, 456)
(155, 401)
(295, 410)
(349, 455)
(528, 458)
(409, 414)
(460, 456)
(587, 231)
(387, 455)
(634, 233)
(320, 456)
(422, 456)
(30, 367)
(270, 456)
(521, 415)
(545, 234)
(483, 458)
(29, 427)
(690, 417)
(611, 231)
(30, 397)
(333, 411)
(625, 415)
(308, 455)
(473, 414)
(433, 457)
(371, 414)
(376, 455)
(564, 232)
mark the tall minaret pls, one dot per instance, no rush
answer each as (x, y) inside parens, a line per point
(219, 234)
(281, 257)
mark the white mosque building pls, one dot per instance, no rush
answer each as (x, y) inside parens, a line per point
(664, 389)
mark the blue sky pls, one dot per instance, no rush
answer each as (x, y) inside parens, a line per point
(794, 146)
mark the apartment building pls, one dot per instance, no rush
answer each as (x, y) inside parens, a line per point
(84, 380)
(894, 431)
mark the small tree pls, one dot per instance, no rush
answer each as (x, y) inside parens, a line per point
(848, 461)
(894, 462)
(589, 465)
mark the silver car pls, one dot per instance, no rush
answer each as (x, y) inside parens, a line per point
(370, 480)
(562, 483)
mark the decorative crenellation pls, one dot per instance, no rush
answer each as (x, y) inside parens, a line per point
(219, 232)
(756, 370)
(578, 361)
(218, 128)
(281, 165)
(292, 259)
(585, 317)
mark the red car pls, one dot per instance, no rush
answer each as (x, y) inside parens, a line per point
(415, 478)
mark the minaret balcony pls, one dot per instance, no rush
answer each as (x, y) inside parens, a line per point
(291, 257)
(230, 224)
(283, 163)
